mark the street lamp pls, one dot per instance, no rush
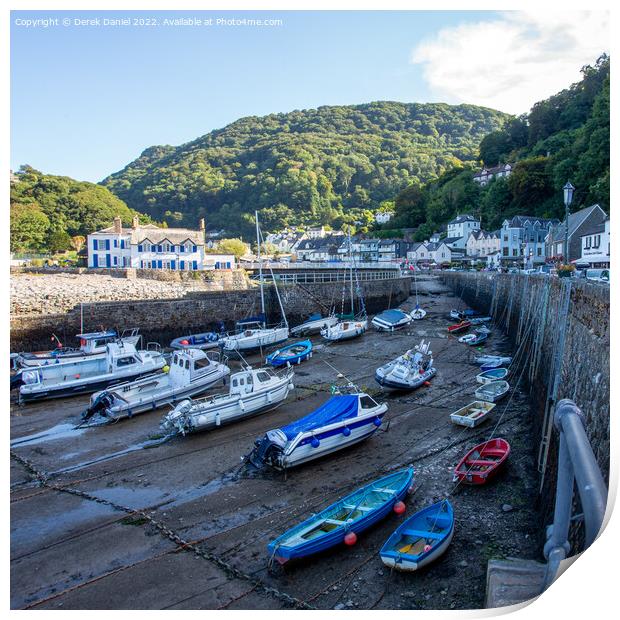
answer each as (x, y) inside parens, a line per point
(568, 199)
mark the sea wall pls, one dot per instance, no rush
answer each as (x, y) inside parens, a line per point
(161, 320)
(560, 326)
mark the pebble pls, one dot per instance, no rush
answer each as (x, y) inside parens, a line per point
(339, 606)
(463, 563)
(507, 507)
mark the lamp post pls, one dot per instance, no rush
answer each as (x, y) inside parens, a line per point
(568, 199)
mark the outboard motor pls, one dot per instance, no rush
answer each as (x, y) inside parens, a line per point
(17, 380)
(268, 450)
(99, 405)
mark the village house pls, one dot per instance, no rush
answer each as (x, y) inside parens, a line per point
(383, 217)
(579, 223)
(595, 246)
(150, 247)
(440, 253)
(486, 174)
(481, 243)
(392, 250)
(419, 252)
(369, 250)
(523, 238)
(459, 229)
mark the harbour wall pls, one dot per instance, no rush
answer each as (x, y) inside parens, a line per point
(199, 311)
(560, 329)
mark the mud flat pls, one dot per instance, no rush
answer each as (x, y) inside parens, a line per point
(76, 544)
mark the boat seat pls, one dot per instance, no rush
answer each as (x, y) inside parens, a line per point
(352, 507)
(481, 462)
(422, 534)
(390, 491)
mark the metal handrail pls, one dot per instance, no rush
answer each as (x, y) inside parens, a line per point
(576, 462)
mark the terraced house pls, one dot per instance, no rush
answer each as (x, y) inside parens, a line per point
(523, 239)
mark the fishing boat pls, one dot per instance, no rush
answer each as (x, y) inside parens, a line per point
(474, 339)
(495, 374)
(493, 391)
(344, 520)
(390, 320)
(252, 391)
(191, 372)
(121, 363)
(255, 335)
(314, 324)
(295, 353)
(459, 327)
(204, 341)
(344, 420)
(421, 539)
(473, 414)
(482, 462)
(410, 370)
(92, 344)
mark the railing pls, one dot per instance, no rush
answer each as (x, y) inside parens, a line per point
(324, 265)
(576, 462)
(322, 277)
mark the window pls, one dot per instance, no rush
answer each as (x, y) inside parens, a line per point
(263, 376)
(202, 364)
(539, 252)
(115, 243)
(194, 248)
(597, 241)
(505, 237)
(187, 364)
(588, 243)
(515, 252)
(125, 361)
(95, 244)
(140, 248)
(367, 403)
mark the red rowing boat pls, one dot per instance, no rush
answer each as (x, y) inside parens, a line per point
(482, 462)
(459, 326)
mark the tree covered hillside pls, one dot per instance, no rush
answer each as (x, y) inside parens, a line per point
(328, 165)
(565, 137)
(51, 213)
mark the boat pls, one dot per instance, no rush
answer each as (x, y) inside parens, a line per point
(459, 327)
(410, 370)
(390, 320)
(121, 363)
(417, 313)
(92, 344)
(191, 372)
(205, 340)
(474, 339)
(349, 325)
(482, 462)
(479, 320)
(495, 374)
(483, 360)
(295, 353)
(344, 420)
(314, 324)
(253, 335)
(456, 315)
(420, 539)
(493, 391)
(473, 414)
(343, 520)
(252, 391)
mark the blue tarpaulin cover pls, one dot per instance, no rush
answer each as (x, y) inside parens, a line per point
(335, 409)
(391, 316)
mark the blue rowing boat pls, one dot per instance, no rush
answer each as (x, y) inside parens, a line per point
(294, 353)
(420, 539)
(344, 519)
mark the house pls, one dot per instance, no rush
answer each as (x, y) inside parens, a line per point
(319, 250)
(480, 243)
(150, 247)
(419, 252)
(316, 233)
(486, 174)
(523, 238)
(382, 217)
(459, 229)
(440, 253)
(391, 250)
(595, 246)
(579, 223)
(369, 250)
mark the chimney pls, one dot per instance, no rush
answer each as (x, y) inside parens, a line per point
(135, 222)
(202, 224)
(118, 225)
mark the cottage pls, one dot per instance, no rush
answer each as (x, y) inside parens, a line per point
(486, 174)
(523, 238)
(419, 252)
(459, 229)
(595, 246)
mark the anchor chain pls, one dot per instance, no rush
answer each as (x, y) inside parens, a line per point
(225, 566)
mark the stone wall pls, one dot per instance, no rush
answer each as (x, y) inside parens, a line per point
(162, 320)
(562, 327)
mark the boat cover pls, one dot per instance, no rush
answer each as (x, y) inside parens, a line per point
(334, 410)
(391, 316)
(314, 317)
(260, 318)
(94, 335)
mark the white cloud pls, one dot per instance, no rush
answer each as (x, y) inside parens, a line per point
(513, 61)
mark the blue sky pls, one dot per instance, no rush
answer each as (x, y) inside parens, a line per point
(85, 101)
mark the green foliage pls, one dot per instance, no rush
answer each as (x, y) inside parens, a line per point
(332, 165)
(47, 210)
(232, 246)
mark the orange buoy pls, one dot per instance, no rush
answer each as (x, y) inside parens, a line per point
(184, 342)
(77, 376)
(350, 538)
(399, 508)
(427, 384)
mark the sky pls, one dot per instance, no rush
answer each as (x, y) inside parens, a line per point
(86, 99)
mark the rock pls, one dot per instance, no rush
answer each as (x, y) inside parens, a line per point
(463, 563)
(339, 606)
(507, 507)
(349, 604)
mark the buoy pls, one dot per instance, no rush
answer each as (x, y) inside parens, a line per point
(77, 376)
(427, 383)
(421, 371)
(350, 538)
(166, 368)
(399, 508)
(184, 342)
(427, 548)
(346, 431)
(377, 422)
(315, 443)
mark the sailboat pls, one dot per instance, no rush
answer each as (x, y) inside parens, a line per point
(351, 325)
(257, 335)
(417, 313)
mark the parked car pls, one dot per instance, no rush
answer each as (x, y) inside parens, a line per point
(597, 275)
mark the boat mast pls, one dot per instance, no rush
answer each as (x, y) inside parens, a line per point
(260, 267)
(351, 264)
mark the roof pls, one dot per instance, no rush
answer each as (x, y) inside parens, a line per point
(575, 220)
(449, 240)
(518, 221)
(155, 234)
(493, 170)
(476, 234)
(593, 230)
(459, 219)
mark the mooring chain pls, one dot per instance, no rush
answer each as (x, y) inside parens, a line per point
(228, 568)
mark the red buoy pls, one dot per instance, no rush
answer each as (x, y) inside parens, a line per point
(350, 539)
(77, 376)
(184, 342)
(399, 508)
(427, 384)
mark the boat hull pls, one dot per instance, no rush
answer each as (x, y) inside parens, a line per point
(467, 470)
(278, 358)
(409, 565)
(267, 338)
(496, 374)
(419, 381)
(314, 327)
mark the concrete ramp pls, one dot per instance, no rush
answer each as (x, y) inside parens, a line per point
(513, 581)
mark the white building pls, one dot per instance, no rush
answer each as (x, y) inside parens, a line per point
(459, 229)
(486, 174)
(419, 252)
(382, 217)
(150, 247)
(440, 253)
(595, 246)
(523, 239)
(481, 243)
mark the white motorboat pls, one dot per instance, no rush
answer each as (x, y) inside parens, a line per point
(342, 421)
(122, 362)
(256, 334)
(191, 372)
(314, 325)
(345, 330)
(91, 344)
(390, 320)
(410, 370)
(252, 391)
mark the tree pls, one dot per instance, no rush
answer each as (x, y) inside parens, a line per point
(29, 226)
(58, 241)
(77, 242)
(232, 246)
